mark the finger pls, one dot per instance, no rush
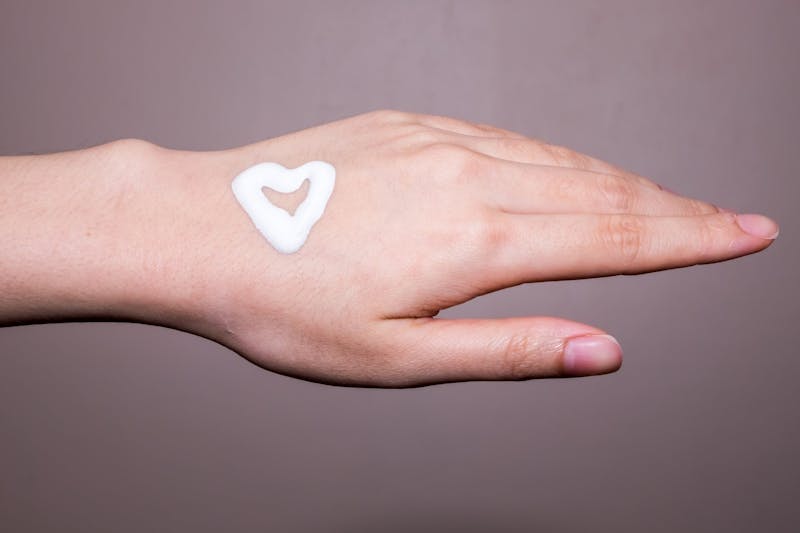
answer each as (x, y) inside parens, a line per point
(523, 188)
(523, 150)
(435, 350)
(464, 127)
(551, 247)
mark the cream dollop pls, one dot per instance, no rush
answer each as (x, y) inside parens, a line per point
(286, 233)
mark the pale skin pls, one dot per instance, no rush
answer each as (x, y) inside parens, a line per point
(428, 212)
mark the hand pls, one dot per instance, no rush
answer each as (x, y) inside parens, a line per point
(429, 212)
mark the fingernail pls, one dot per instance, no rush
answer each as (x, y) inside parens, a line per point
(758, 226)
(591, 354)
(725, 210)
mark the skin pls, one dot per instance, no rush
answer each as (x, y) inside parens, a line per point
(428, 212)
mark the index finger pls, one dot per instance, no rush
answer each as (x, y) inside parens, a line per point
(554, 247)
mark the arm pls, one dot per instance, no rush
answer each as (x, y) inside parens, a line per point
(72, 245)
(427, 212)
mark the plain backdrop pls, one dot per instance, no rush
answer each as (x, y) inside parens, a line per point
(129, 428)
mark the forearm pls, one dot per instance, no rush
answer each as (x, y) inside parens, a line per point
(73, 238)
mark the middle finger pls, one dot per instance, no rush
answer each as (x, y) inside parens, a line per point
(524, 188)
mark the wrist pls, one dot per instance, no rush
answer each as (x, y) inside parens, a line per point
(73, 235)
(170, 206)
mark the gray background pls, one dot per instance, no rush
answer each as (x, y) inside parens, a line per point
(124, 427)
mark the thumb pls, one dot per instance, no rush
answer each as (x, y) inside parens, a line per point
(437, 350)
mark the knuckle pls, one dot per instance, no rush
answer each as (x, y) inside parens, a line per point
(521, 149)
(494, 131)
(434, 156)
(583, 161)
(555, 153)
(467, 164)
(624, 237)
(452, 161)
(710, 236)
(485, 236)
(448, 123)
(422, 137)
(489, 235)
(563, 156)
(565, 189)
(617, 193)
(705, 240)
(580, 161)
(699, 207)
(518, 357)
(389, 116)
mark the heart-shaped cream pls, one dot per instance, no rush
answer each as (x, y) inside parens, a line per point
(285, 232)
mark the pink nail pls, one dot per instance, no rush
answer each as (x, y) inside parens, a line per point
(591, 354)
(758, 226)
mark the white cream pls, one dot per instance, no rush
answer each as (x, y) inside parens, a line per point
(285, 232)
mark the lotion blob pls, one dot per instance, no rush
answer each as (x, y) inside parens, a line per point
(286, 233)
